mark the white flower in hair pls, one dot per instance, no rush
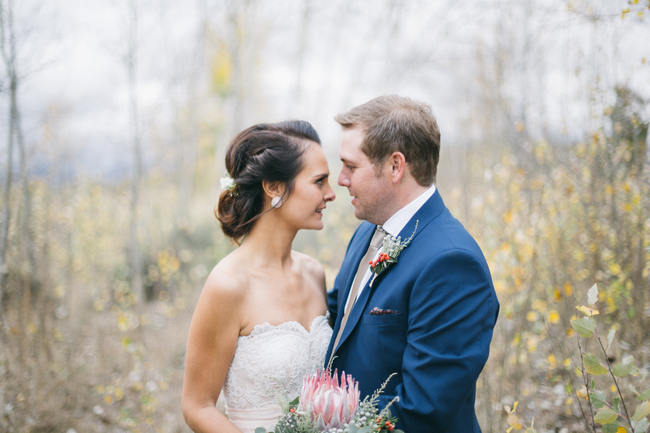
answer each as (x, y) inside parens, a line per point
(227, 183)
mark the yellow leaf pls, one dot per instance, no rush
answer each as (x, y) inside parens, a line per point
(551, 361)
(108, 399)
(624, 12)
(122, 322)
(568, 289)
(513, 421)
(612, 388)
(557, 295)
(222, 68)
(587, 311)
(554, 317)
(567, 362)
(539, 305)
(31, 328)
(605, 415)
(531, 316)
(582, 394)
(621, 429)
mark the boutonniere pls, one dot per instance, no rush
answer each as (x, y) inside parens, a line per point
(390, 251)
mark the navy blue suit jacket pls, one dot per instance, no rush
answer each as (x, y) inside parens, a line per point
(437, 308)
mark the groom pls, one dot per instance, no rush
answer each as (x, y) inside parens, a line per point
(427, 312)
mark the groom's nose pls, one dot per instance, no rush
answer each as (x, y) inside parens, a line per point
(344, 179)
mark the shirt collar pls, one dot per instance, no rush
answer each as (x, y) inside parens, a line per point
(398, 221)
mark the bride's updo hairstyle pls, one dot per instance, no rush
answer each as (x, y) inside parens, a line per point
(266, 151)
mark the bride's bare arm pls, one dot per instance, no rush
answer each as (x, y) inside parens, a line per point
(210, 348)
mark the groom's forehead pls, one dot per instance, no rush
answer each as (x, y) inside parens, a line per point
(350, 148)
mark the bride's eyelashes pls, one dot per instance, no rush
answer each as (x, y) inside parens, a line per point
(321, 179)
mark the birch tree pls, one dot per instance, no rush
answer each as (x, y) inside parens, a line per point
(135, 254)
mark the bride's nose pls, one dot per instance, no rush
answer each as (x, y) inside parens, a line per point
(329, 194)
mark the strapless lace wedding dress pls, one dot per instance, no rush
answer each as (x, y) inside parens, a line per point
(268, 367)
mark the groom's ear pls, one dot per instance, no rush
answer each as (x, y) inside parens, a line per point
(273, 189)
(397, 165)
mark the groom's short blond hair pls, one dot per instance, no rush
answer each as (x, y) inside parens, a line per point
(395, 123)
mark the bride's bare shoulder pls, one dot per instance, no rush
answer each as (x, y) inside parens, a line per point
(227, 281)
(309, 266)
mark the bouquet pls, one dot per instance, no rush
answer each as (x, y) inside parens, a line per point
(329, 405)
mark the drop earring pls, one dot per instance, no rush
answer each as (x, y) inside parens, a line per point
(276, 202)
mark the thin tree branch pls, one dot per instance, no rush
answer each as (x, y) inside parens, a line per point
(618, 389)
(586, 381)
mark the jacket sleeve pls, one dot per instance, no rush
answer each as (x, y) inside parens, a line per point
(452, 311)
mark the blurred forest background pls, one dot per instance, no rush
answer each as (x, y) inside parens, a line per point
(114, 119)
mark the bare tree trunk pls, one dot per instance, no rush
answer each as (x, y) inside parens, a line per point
(302, 48)
(188, 130)
(8, 57)
(236, 20)
(135, 255)
(25, 235)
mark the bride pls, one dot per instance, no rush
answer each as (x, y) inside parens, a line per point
(259, 325)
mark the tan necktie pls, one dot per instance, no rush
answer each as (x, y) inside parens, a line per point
(375, 244)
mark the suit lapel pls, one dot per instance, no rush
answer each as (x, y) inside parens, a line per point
(352, 264)
(431, 209)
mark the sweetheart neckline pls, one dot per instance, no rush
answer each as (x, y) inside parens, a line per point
(263, 326)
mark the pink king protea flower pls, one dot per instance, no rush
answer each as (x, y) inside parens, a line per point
(329, 403)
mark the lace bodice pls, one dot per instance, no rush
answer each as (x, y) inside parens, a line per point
(269, 365)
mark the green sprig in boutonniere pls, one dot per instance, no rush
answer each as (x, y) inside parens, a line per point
(390, 251)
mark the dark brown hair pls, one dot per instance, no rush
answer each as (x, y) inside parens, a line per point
(266, 151)
(394, 123)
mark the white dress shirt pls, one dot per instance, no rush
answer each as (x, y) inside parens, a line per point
(394, 226)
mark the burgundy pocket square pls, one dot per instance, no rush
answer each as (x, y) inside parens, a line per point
(381, 312)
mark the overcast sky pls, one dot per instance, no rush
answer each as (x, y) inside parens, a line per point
(556, 64)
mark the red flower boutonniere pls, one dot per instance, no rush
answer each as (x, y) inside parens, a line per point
(390, 251)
